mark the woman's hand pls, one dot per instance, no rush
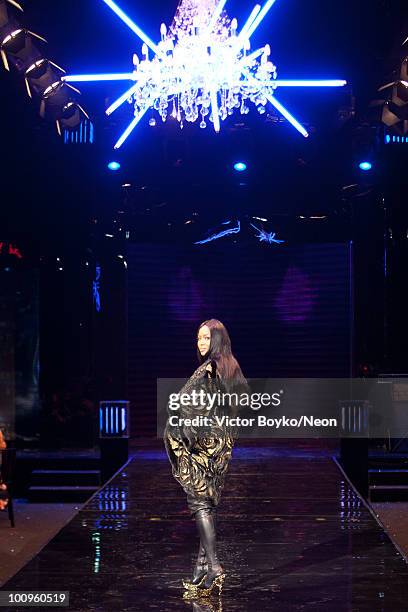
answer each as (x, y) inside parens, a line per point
(212, 369)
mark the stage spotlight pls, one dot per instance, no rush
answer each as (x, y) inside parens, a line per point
(8, 21)
(18, 47)
(240, 167)
(395, 109)
(72, 116)
(5, 6)
(365, 166)
(389, 118)
(400, 93)
(55, 98)
(40, 75)
(114, 166)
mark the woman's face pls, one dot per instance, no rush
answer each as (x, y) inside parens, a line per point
(204, 340)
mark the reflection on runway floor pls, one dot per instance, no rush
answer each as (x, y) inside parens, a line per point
(292, 535)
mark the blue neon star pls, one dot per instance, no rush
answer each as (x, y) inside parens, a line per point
(201, 66)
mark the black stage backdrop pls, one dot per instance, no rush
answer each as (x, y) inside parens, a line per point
(288, 310)
(19, 353)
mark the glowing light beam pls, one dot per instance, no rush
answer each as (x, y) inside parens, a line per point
(260, 18)
(89, 78)
(16, 5)
(306, 83)
(264, 236)
(283, 111)
(130, 128)
(216, 14)
(121, 100)
(233, 230)
(214, 108)
(243, 34)
(132, 25)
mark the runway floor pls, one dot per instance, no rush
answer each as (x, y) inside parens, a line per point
(293, 535)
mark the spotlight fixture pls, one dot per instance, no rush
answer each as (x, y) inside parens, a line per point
(114, 166)
(40, 75)
(5, 8)
(72, 116)
(8, 17)
(240, 167)
(55, 98)
(18, 48)
(395, 110)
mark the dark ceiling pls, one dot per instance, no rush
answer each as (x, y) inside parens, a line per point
(49, 190)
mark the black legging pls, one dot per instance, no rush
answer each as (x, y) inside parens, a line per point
(199, 503)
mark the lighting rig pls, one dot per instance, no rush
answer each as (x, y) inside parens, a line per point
(22, 49)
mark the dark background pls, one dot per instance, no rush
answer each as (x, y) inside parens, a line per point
(288, 312)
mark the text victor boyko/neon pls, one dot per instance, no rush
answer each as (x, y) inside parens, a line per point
(260, 421)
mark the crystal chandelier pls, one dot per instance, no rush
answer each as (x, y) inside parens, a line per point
(202, 69)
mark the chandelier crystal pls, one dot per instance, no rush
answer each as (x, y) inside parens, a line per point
(202, 71)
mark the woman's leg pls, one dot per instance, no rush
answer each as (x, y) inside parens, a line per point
(201, 566)
(206, 529)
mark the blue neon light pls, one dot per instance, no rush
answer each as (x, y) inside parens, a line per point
(260, 17)
(95, 288)
(233, 230)
(264, 236)
(240, 167)
(310, 82)
(130, 128)
(283, 111)
(243, 35)
(365, 166)
(399, 139)
(113, 419)
(161, 56)
(132, 25)
(90, 78)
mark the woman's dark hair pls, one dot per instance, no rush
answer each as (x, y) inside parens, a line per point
(220, 352)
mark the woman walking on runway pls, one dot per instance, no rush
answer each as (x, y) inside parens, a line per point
(200, 457)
